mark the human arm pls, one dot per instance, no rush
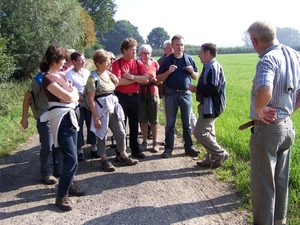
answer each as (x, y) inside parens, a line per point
(91, 97)
(62, 94)
(192, 88)
(194, 74)
(265, 113)
(26, 103)
(163, 76)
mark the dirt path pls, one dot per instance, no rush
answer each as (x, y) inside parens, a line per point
(156, 192)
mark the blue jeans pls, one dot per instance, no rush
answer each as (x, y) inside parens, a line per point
(270, 162)
(85, 115)
(67, 139)
(47, 152)
(173, 100)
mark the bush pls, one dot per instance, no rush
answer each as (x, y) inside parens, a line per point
(7, 66)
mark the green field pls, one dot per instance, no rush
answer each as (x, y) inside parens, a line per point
(239, 71)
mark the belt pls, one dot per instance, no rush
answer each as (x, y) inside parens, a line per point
(128, 94)
(177, 90)
(259, 122)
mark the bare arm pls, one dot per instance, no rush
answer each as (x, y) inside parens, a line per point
(97, 121)
(163, 76)
(194, 75)
(62, 94)
(264, 112)
(129, 79)
(26, 103)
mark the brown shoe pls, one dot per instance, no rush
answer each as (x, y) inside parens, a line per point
(63, 203)
(107, 166)
(74, 190)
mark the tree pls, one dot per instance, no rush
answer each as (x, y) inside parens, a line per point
(7, 66)
(102, 13)
(121, 30)
(288, 36)
(156, 37)
(31, 26)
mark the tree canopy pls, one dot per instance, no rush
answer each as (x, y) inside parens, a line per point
(31, 26)
(156, 37)
(122, 29)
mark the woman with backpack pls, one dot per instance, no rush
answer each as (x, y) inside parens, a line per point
(106, 110)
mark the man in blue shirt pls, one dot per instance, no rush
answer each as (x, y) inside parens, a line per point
(176, 70)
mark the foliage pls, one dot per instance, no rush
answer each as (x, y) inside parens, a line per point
(43, 23)
(156, 37)
(89, 39)
(7, 66)
(102, 13)
(122, 29)
(286, 35)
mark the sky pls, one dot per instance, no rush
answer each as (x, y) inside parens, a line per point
(222, 22)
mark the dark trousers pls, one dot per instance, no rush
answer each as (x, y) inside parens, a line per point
(131, 107)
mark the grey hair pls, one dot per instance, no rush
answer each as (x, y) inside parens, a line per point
(166, 43)
(263, 31)
(145, 47)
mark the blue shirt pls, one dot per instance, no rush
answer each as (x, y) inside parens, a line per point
(180, 78)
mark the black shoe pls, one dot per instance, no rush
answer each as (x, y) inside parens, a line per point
(74, 190)
(138, 155)
(117, 158)
(95, 154)
(167, 153)
(192, 152)
(81, 157)
(63, 203)
(56, 173)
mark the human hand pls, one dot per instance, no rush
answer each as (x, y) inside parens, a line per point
(24, 123)
(266, 114)
(97, 123)
(172, 68)
(190, 69)
(191, 88)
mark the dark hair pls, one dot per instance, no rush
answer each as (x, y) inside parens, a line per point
(127, 43)
(176, 37)
(75, 55)
(54, 54)
(212, 48)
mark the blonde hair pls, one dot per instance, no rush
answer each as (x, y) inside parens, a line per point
(100, 56)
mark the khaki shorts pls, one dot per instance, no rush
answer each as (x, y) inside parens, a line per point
(149, 112)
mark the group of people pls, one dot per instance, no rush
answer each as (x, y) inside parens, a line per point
(127, 90)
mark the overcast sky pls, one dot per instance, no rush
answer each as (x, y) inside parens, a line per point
(222, 22)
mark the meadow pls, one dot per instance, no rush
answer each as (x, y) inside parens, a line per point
(239, 71)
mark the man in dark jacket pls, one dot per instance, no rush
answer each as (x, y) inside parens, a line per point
(210, 93)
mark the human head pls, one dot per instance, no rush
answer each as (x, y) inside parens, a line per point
(101, 56)
(112, 59)
(145, 51)
(167, 47)
(262, 34)
(128, 48)
(53, 55)
(178, 44)
(68, 58)
(208, 51)
(78, 59)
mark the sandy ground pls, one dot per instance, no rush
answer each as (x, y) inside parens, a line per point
(156, 191)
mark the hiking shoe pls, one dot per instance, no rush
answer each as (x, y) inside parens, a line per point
(144, 146)
(49, 179)
(138, 155)
(107, 166)
(95, 154)
(74, 190)
(205, 163)
(192, 152)
(218, 162)
(128, 161)
(155, 148)
(167, 153)
(63, 203)
(117, 158)
(81, 157)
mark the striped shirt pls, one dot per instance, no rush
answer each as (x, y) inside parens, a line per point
(271, 71)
